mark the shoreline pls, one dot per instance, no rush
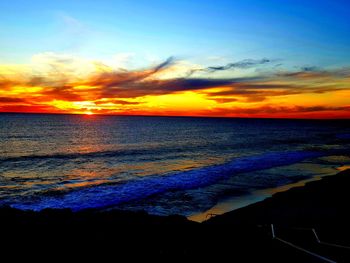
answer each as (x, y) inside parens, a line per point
(237, 202)
(232, 203)
(327, 188)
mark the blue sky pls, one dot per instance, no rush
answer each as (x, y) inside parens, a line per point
(299, 33)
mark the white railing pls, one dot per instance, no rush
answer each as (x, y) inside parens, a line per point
(299, 248)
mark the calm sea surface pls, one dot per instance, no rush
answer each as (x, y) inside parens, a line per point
(163, 165)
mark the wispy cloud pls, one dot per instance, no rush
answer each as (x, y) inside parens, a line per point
(66, 82)
(243, 64)
(247, 63)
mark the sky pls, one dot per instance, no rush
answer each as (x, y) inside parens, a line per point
(251, 58)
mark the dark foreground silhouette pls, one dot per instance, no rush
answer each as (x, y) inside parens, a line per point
(314, 218)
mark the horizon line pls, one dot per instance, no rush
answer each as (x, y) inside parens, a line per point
(174, 116)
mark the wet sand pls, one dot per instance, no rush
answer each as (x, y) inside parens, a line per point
(235, 202)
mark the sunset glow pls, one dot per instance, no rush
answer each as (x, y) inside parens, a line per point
(298, 94)
(123, 82)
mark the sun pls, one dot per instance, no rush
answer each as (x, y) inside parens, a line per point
(88, 113)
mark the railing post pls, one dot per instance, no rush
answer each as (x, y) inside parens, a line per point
(273, 231)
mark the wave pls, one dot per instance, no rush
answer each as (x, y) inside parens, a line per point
(97, 154)
(112, 195)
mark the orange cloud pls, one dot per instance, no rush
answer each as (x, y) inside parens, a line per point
(71, 85)
(313, 112)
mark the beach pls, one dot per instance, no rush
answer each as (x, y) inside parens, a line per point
(308, 172)
(243, 234)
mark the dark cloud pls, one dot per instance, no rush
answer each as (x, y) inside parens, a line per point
(6, 84)
(320, 108)
(170, 61)
(310, 68)
(62, 93)
(123, 78)
(244, 64)
(255, 92)
(196, 84)
(224, 100)
(279, 111)
(160, 87)
(116, 101)
(29, 108)
(307, 74)
(11, 100)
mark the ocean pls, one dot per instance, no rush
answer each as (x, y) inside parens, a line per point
(162, 165)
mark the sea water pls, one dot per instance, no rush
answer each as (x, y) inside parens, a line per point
(163, 165)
